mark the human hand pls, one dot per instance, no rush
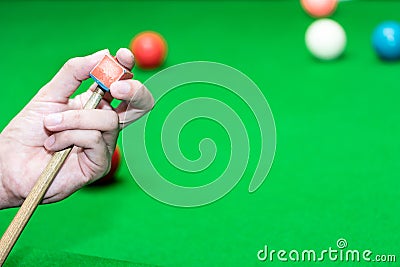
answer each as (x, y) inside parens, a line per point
(52, 121)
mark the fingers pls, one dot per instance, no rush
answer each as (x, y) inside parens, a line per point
(70, 76)
(125, 58)
(134, 92)
(88, 139)
(137, 100)
(92, 119)
(91, 140)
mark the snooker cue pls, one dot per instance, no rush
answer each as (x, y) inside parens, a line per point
(38, 191)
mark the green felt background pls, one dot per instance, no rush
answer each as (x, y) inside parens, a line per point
(336, 170)
(29, 256)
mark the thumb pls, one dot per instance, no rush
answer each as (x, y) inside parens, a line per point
(69, 77)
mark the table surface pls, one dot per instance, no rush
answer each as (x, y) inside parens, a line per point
(336, 169)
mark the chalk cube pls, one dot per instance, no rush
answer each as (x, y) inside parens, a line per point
(107, 71)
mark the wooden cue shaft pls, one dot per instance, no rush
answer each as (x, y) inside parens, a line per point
(38, 191)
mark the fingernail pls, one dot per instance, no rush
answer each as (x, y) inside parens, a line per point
(50, 141)
(122, 87)
(53, 119)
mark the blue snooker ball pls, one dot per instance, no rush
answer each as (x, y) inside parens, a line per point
(386, 40)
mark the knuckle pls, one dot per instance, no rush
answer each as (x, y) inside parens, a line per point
(71, 119)
(65, 136)
(97, 137)
(114, 120)
(71, 63)
(136, 84)
(144, 95)
(148, 98)
(75, 116)
(137, 90)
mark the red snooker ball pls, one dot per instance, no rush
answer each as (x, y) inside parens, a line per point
(319, 8)
(115, 162)
(149, 49)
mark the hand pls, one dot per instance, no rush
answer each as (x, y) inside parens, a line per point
(52, 121)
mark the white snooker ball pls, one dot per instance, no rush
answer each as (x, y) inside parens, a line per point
(325, 39)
